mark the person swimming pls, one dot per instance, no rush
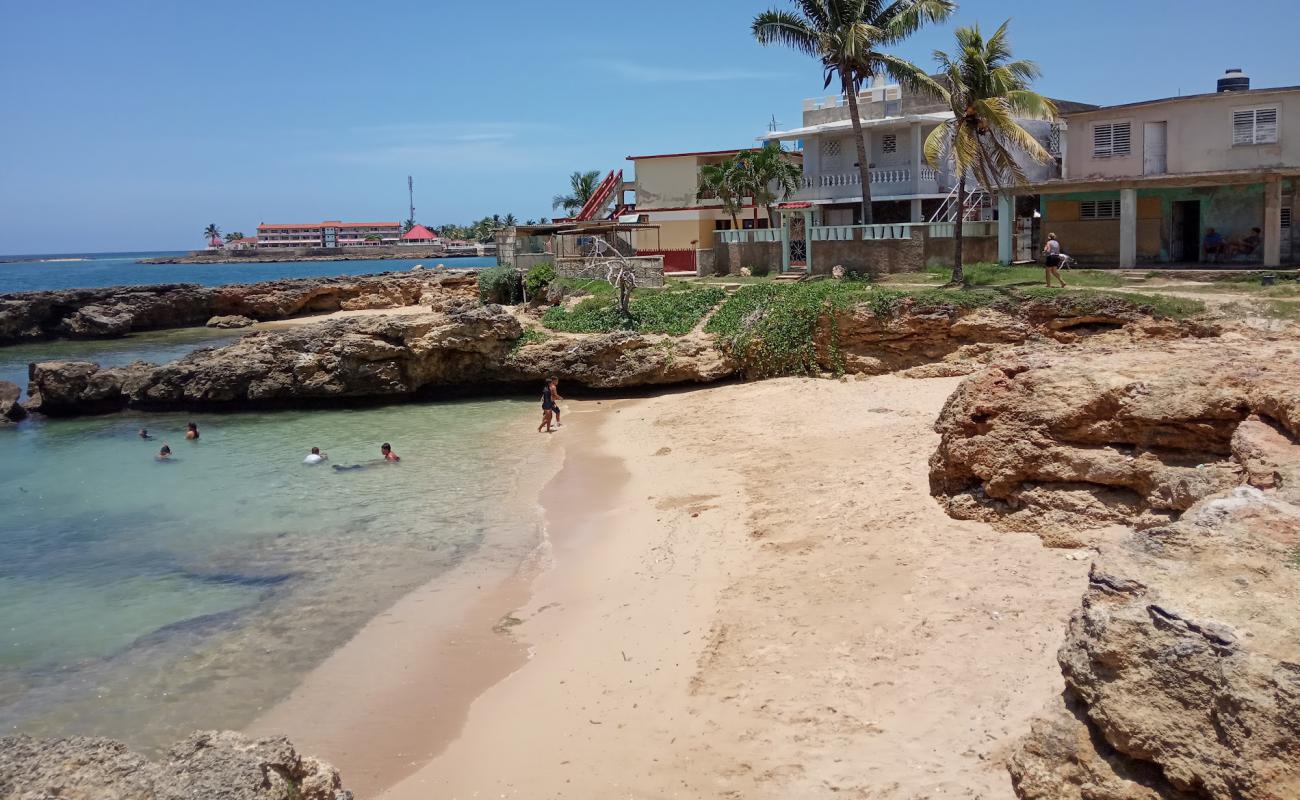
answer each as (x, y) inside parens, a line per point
(387, 457)
(164, 454)
(315, 456)
(144, 433)
(191, 431)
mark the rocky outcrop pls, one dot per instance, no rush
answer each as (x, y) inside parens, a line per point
(1059, 442)
(207, 764)
(376, 358)
(1182, 665)
(11, 410)
(229, 321)
(1184, 661)
(119, 310)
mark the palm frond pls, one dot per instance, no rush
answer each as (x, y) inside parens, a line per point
(791, 30)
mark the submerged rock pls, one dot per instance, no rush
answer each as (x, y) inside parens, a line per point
(206, 764)
(11, 410)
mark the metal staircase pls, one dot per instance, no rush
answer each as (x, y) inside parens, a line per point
(976, 199)
(602, 202)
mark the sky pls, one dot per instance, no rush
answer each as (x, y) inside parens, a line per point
(132, 125)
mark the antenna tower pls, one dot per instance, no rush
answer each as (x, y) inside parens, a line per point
(410, 191)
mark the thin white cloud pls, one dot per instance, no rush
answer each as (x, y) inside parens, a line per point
(655, 73)
(483, 146)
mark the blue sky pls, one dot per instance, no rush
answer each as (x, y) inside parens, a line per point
(131, 125)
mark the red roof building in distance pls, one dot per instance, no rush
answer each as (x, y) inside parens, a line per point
(419, 233)
(331, 233)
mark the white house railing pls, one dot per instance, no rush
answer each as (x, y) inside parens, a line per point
(751, 235)
(846, 233)
(828, 180)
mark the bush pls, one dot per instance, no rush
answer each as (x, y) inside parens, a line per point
(654, 311)
(500, 285)
(760, 271)
(538, 278)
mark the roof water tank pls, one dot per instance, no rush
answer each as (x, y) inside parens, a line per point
(1234, 80)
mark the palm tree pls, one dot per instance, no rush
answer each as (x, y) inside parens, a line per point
(212, 232)
(234, 236)
(770, 174)
(582, 185)
(407, 225)
(509, 220)
(987, 91)
(726, 182)
(847, 36)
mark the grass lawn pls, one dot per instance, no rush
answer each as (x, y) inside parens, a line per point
(675, 309)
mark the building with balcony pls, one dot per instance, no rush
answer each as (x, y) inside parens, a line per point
(1202, 178)
(329, 234)
(895, 124)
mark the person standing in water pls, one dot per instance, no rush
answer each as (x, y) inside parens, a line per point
(548, 405)
(164, 454)
(315, 456)
(144, 433)
(191, 431)
(386, 450)
(1052, 260)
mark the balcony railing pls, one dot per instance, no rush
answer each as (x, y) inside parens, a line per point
(751, 235)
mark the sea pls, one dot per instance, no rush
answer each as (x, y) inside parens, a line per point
(142, 599)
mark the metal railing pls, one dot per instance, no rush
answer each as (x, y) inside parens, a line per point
(751, 235)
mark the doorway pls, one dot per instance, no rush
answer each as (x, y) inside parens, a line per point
(1185, 241)
(1155, 148)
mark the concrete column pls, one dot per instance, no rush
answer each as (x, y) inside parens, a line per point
(785, 241)
(917, 216)
(918, 161)
(1272, 221)
(808, 239)
(1128, 228)
(1006, 220)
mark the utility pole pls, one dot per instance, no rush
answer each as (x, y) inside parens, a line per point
(410, 191)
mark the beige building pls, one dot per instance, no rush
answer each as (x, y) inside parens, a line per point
(1210, 177)
(665, 187)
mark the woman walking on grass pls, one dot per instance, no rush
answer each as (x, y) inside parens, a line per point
(1052, 260)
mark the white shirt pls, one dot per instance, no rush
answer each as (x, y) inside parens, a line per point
(313, 458)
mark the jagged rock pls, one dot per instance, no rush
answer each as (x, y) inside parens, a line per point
(207, 764)
(1056, 442)
(119, 310)
(11, 410)
(231, 321)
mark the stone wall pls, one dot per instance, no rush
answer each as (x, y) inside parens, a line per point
(728, 258)
(939, 250)
(649, 270)
(704, 263)
(876, 256)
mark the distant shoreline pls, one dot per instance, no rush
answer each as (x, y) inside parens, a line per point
(271, 259)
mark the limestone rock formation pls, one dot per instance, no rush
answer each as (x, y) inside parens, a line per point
(207, 764)
(228, 321)
(1060, 441)
(11, 410)
(119, 310)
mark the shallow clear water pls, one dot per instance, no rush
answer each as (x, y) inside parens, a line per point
(121, 269)
(142, 600)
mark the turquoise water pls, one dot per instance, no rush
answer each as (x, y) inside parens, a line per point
(141, 600)
(32, 273)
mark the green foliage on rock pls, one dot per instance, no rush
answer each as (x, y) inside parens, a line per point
(538, 278)
(671, 312)
(500, 285)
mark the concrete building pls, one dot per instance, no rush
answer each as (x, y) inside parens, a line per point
(665, 189)
(1147, 182)
(904, 188)
(329, 234)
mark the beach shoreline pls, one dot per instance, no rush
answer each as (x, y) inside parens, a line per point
(733, 605)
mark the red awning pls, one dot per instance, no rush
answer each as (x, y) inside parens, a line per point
(795, 205)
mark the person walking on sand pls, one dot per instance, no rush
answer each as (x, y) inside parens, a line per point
(548, 405)
(191, 431)
(1052, 260)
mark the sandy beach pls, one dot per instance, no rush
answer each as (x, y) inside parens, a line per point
(747, 592)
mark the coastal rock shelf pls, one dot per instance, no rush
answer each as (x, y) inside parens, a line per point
(1182, 665)
(469, 347)
(117, 311)
(207, 764)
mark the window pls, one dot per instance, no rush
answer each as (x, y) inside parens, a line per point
(1099, 209)
(889, 143)
(830, 148)
(1111, 139)
(893, 108)
(1286, 218)
(1254, 126)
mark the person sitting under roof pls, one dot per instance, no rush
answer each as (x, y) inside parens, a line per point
(1213, 244)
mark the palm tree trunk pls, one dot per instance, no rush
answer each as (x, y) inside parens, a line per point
(959, 274)
(864, 166)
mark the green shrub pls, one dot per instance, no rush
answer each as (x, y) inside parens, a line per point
(538, 278)
(500, 285)
(760, 271)
(651, 311)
